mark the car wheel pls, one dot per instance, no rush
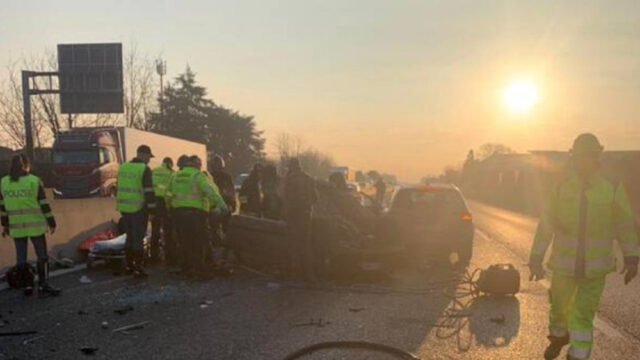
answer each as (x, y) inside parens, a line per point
(465, 252)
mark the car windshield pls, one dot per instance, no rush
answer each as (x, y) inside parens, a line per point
(422, 201)
(71, 157)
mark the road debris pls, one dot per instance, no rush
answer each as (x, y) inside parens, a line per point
(83, 312)
(18, 333)
(274, 285)
(203, 306)
(31, 340)
(356, 310)
(84, 279)
(136, 326)
(123, 310)
(87, 350)
(314, 322)
(104, 325)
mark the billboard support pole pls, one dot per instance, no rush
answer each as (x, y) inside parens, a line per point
(26, 107)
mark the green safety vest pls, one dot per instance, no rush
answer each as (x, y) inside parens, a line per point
(22, 206)
(606, 216)
(161, 177)
(184, 189)
(130, 195)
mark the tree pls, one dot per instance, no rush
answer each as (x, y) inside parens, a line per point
(190, 115)
(489, 149)
(314, 162)
(373, 175)
(360, 177)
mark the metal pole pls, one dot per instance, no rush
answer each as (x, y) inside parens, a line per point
(26, 109)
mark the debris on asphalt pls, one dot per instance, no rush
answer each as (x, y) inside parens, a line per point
(356, 310)
(31, 340)
(84, 279)
(313, 322)
(136, 326)
(18, 333)
(83, 312)
(87, 350)
(105, 325)
(123, 310)
(499, 341)
(203, 306)
(274, 285)
(498, 320)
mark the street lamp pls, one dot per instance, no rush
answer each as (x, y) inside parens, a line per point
(161, 69)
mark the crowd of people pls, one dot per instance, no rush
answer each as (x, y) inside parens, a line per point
(189, 209)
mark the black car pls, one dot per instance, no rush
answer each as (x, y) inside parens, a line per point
(432, 221)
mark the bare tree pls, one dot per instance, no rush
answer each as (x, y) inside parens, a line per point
(288, 146)
(140, 87)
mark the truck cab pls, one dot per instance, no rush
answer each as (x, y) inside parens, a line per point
(85, 162)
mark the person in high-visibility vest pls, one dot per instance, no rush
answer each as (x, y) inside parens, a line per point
(190, 195)
(583, 215)
(26, 214)
(135, 199)
(161, 176)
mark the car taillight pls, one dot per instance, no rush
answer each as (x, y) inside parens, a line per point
(466, 217)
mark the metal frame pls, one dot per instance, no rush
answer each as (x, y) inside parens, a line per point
(27, 91)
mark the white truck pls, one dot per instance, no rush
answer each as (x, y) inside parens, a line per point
(85, 161)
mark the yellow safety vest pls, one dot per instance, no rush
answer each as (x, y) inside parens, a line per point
(130, 195)
(161, 177)
(583, 238)
(22, 206)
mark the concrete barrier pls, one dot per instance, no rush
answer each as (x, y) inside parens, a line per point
(77, 219)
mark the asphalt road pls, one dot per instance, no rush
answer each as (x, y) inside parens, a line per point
(252, 316)
(620, 304)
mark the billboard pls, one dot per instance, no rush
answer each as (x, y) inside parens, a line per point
(90, 78)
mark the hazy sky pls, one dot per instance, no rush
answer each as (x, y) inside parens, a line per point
(401, 86)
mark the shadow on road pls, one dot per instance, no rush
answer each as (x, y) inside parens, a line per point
(493, 321)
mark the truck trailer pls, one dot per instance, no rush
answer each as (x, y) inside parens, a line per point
(85, 161)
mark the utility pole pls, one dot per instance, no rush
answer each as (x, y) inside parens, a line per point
(161, 69)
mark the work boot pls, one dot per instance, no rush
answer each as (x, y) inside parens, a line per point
(48, 290)
(555, 347)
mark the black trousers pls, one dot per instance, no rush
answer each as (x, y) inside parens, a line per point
(301, 247)
(40, 246)
(191, 229)
(161, 228)
(135, 226)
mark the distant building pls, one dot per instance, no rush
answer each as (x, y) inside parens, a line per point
(522, 181)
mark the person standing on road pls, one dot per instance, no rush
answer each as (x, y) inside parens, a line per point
(299, 197)
(136, 201)
(381, 190)
(582, 216)
(251, 193)
(188, 193)
(26, 214)
(271, 202)
(161, 176)
(224, 181)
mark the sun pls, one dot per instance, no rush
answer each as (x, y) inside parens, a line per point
(520, 96)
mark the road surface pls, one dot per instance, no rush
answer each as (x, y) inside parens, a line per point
(252, 316)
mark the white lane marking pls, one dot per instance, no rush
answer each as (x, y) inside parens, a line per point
(599, 323)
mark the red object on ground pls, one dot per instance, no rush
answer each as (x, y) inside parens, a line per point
(106, 234)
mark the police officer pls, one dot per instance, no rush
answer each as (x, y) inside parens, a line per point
(161, 176)
(583, 215)
(25, 214)
(136, 202)
(189, 194)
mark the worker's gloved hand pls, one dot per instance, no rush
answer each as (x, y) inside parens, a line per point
(52, 230)
(537, 271)
(630, 270)
(5, 232)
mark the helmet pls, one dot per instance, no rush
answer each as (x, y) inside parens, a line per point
(586, 143)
